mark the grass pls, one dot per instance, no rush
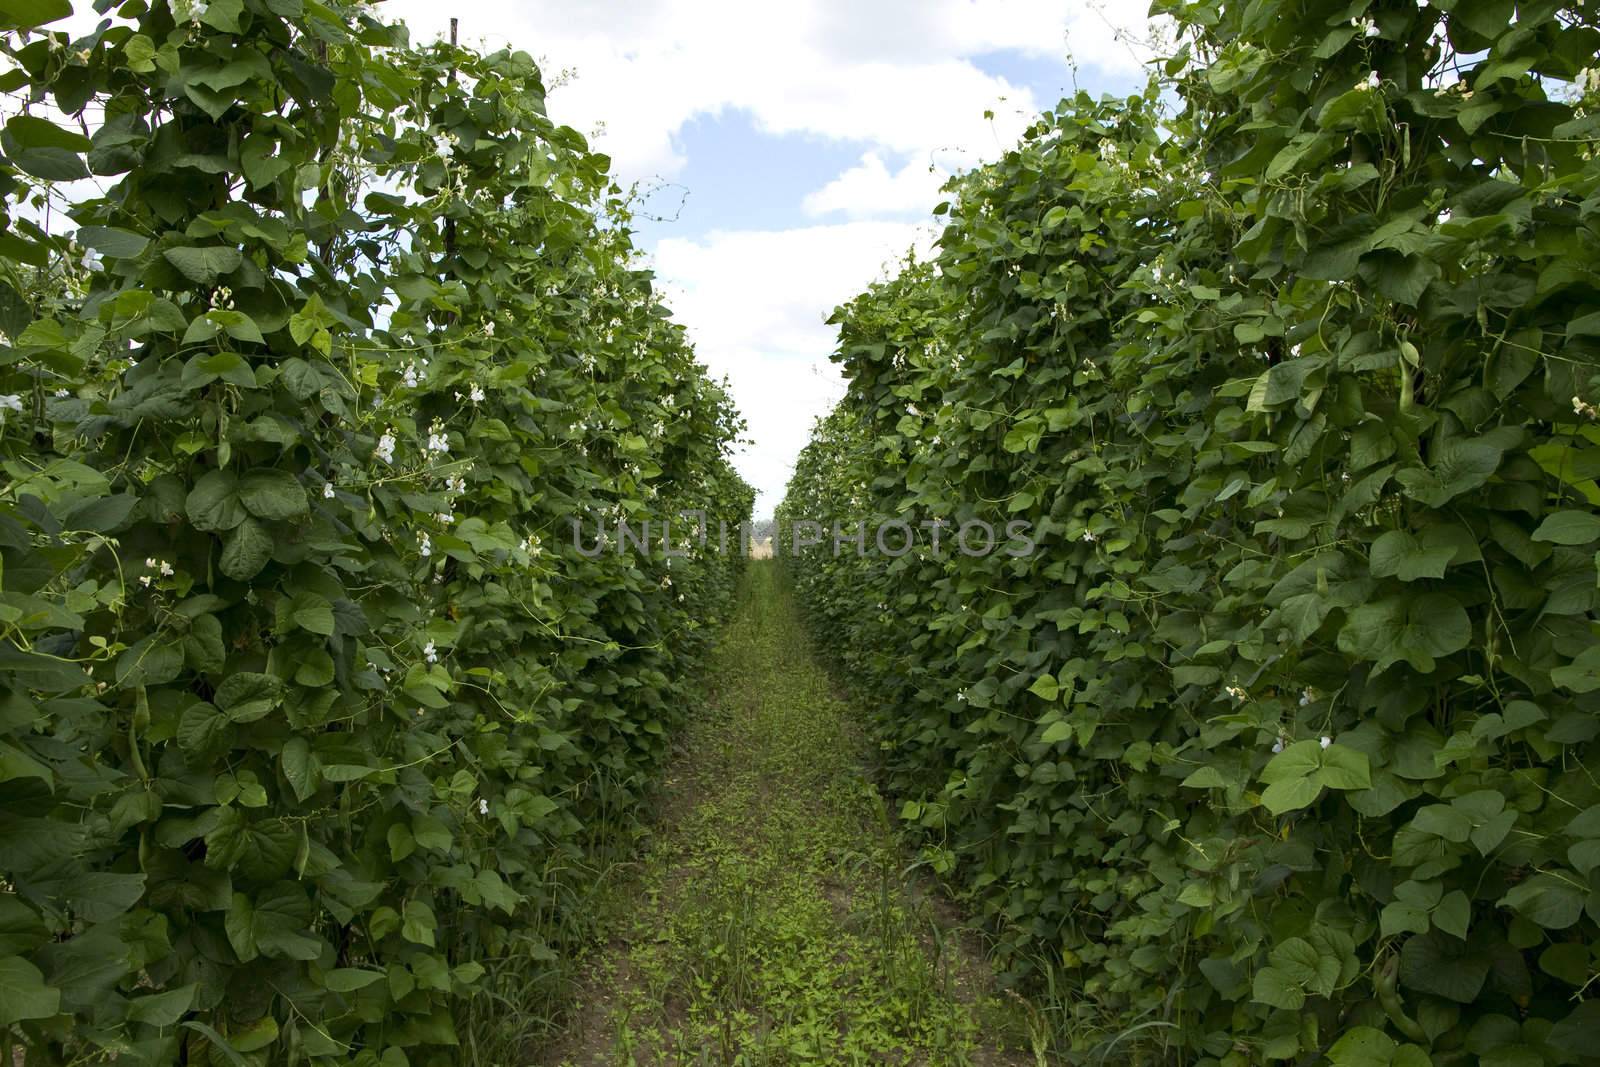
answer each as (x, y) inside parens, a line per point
(772, 922)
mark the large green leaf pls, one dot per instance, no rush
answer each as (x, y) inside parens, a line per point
(23, 994)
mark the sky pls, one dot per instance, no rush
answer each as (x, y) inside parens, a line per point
(792, 153)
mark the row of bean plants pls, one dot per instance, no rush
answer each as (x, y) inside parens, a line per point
(1281, 746)
(315, 727)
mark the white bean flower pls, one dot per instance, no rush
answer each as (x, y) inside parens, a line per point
(430, 653)
(1325, 741)
(438, 440)
(426, 546)
(327, 490)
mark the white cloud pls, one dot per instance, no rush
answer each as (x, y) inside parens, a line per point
(870, 189)
(895, 73)
(755, 304)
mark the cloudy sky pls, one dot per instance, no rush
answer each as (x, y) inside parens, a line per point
(796, 149)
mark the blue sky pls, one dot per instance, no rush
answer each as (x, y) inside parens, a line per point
(795, 149)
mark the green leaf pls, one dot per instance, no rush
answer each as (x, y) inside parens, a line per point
(1045, 687)
(1413, 629)
(274, 925)
(1058, 731)
(1443, 965)
(201, 729)
(1553, 902)
(51, 164)
(111, 242)
(1453, 914)
(1399, 554)
(163, 1009)
(150, 661)
(349, 979)
(23, 994)
(1442, 820)
(26, 14)
(298, 767)
(1290, 795)
(1461, 466)
(312, 612)
(1363, 1047)
(1299, 760)
(1569, 528)
(204, 266)
(418, 923)
(246, 697)
(1273, 987)
(1343, 767)
(1582, 675)
(30, 131)
(213, 504)
(246, 551)
(272, 494)
(431, 833)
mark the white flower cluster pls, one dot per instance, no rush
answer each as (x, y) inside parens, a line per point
(1282, 742)
(9, 402)
(1588, 80)
(1236, 692)
(413, 371)
(426, 546)
(190, 11)
(1584, 409)
(430, 653)
(438, 440)
(531, 546)
(385, 449)
(327, 490)
(161, 567)
(1367, 27)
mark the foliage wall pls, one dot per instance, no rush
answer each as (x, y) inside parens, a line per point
(311, 716)
(1282, 745)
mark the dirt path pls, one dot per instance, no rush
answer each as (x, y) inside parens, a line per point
(771, 924)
